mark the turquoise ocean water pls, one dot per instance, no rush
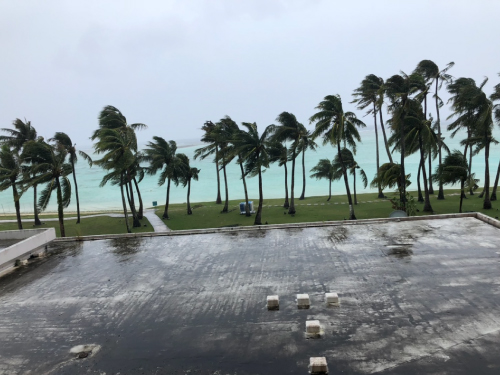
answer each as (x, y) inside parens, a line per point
(94, 198)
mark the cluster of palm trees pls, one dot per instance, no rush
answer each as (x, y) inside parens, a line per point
(27, 161)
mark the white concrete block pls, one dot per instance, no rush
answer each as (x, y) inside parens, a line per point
(303, 300)
(317, 365)
(273, 302)
(313, 326)
(331, 298)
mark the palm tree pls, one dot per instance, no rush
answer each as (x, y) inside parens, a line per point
(278, 153)
(118, 156)
(431, 73)
(52, 170)
(352, 165)
(337, 126)
(16, 138)
(305, 143)
(454, 169)
(117, 138)
(64, 141)
(370, 95)
(161, 157)
(211, 149)
(400, 88)
(324, 169)
(496, 97)
(289, 130)
(254, 149)
(471, 103)
(10, 173)
(188, 173)
(389, 176)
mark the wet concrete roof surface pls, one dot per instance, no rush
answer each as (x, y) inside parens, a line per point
(417, 297)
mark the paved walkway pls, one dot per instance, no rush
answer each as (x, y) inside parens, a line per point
(157, 224)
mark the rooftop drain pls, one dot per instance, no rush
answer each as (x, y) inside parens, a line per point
(331, 298)
(84, 351)
(317, 365)
(273, 302)
(303, 301)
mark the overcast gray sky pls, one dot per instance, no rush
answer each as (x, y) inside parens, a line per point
(175, 64)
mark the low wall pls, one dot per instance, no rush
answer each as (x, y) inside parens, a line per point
(31, 240)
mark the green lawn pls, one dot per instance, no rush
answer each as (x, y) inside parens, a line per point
(207, 214)
(87, 227)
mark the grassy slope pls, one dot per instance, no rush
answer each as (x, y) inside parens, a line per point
(207, 214)
(87, 227)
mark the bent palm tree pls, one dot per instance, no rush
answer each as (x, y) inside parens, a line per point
(254, 150)
(336, 126)
(64, 141)
(324, 169)
(305, 143)
(278, 153)
(352, 166)
(188, 173)
(23, 132)
(10, 173)
(212, 148)
(454, 169)
(52, 170)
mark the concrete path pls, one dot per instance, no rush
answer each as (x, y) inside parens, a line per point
(155, 221)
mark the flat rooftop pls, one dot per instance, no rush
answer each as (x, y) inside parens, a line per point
(416, 297)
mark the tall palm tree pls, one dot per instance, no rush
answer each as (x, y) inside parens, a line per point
(306, 142)
(454, 169)
(289, 130)
(116, 138)
(468, 99)
(10, 174)
(212, 148)
(254, 149)
(324, 169)
(352, 166)
(188, 173)
(370, 95)
(431, 73)
(52, 170)
(400, 88)
(496, 110)
(279, 153)
(161, 157)
(64, 141)
(336, 127)
(23, 132)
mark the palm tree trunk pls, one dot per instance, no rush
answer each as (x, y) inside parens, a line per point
(135, 223)
(462, 195)
(427, 201)
(352, 216)
(60, 212)
(379, 186)
(76, 191)
(495, 186)
(18, 207)
(35, 207)
(419, 189)
(140, 214)
(385, 136)
(291, 209)
(302, 196)
(440, 161)
(165, 212)
(402, 192)
(124, 205)
(258, 216)
(189, 211)
(431, 189)
(471, 188)
(287, 204)
(487, 201)
(247, 206)
(226, 203)
(465, 158)
(218, 200)
(329, 191)
(354, 188)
